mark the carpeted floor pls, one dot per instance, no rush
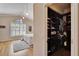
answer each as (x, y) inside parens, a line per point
(61, 52)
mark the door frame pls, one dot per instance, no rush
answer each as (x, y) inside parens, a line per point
(40, 35)
(74, 28)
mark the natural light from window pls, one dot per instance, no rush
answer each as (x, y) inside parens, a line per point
(18, 28)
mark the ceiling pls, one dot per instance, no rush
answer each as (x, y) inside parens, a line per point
(17, 9)
(61, 7)
(23, 8)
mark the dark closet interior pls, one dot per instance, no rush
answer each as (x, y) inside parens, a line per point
(59, 33)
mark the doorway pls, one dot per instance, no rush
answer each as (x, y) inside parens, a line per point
(59, 29)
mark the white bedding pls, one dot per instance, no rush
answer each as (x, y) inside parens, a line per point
(21, 45)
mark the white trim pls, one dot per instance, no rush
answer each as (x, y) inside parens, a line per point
(74, 29)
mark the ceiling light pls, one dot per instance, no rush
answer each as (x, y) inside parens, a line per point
(27, 14)
(23, 17)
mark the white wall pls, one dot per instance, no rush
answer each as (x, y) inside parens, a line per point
(40, 37)
(5, 32)
(28, 22)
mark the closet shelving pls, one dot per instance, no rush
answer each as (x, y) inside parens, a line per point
(55, 42)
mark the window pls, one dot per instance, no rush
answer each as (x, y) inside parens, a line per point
(18, 28)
